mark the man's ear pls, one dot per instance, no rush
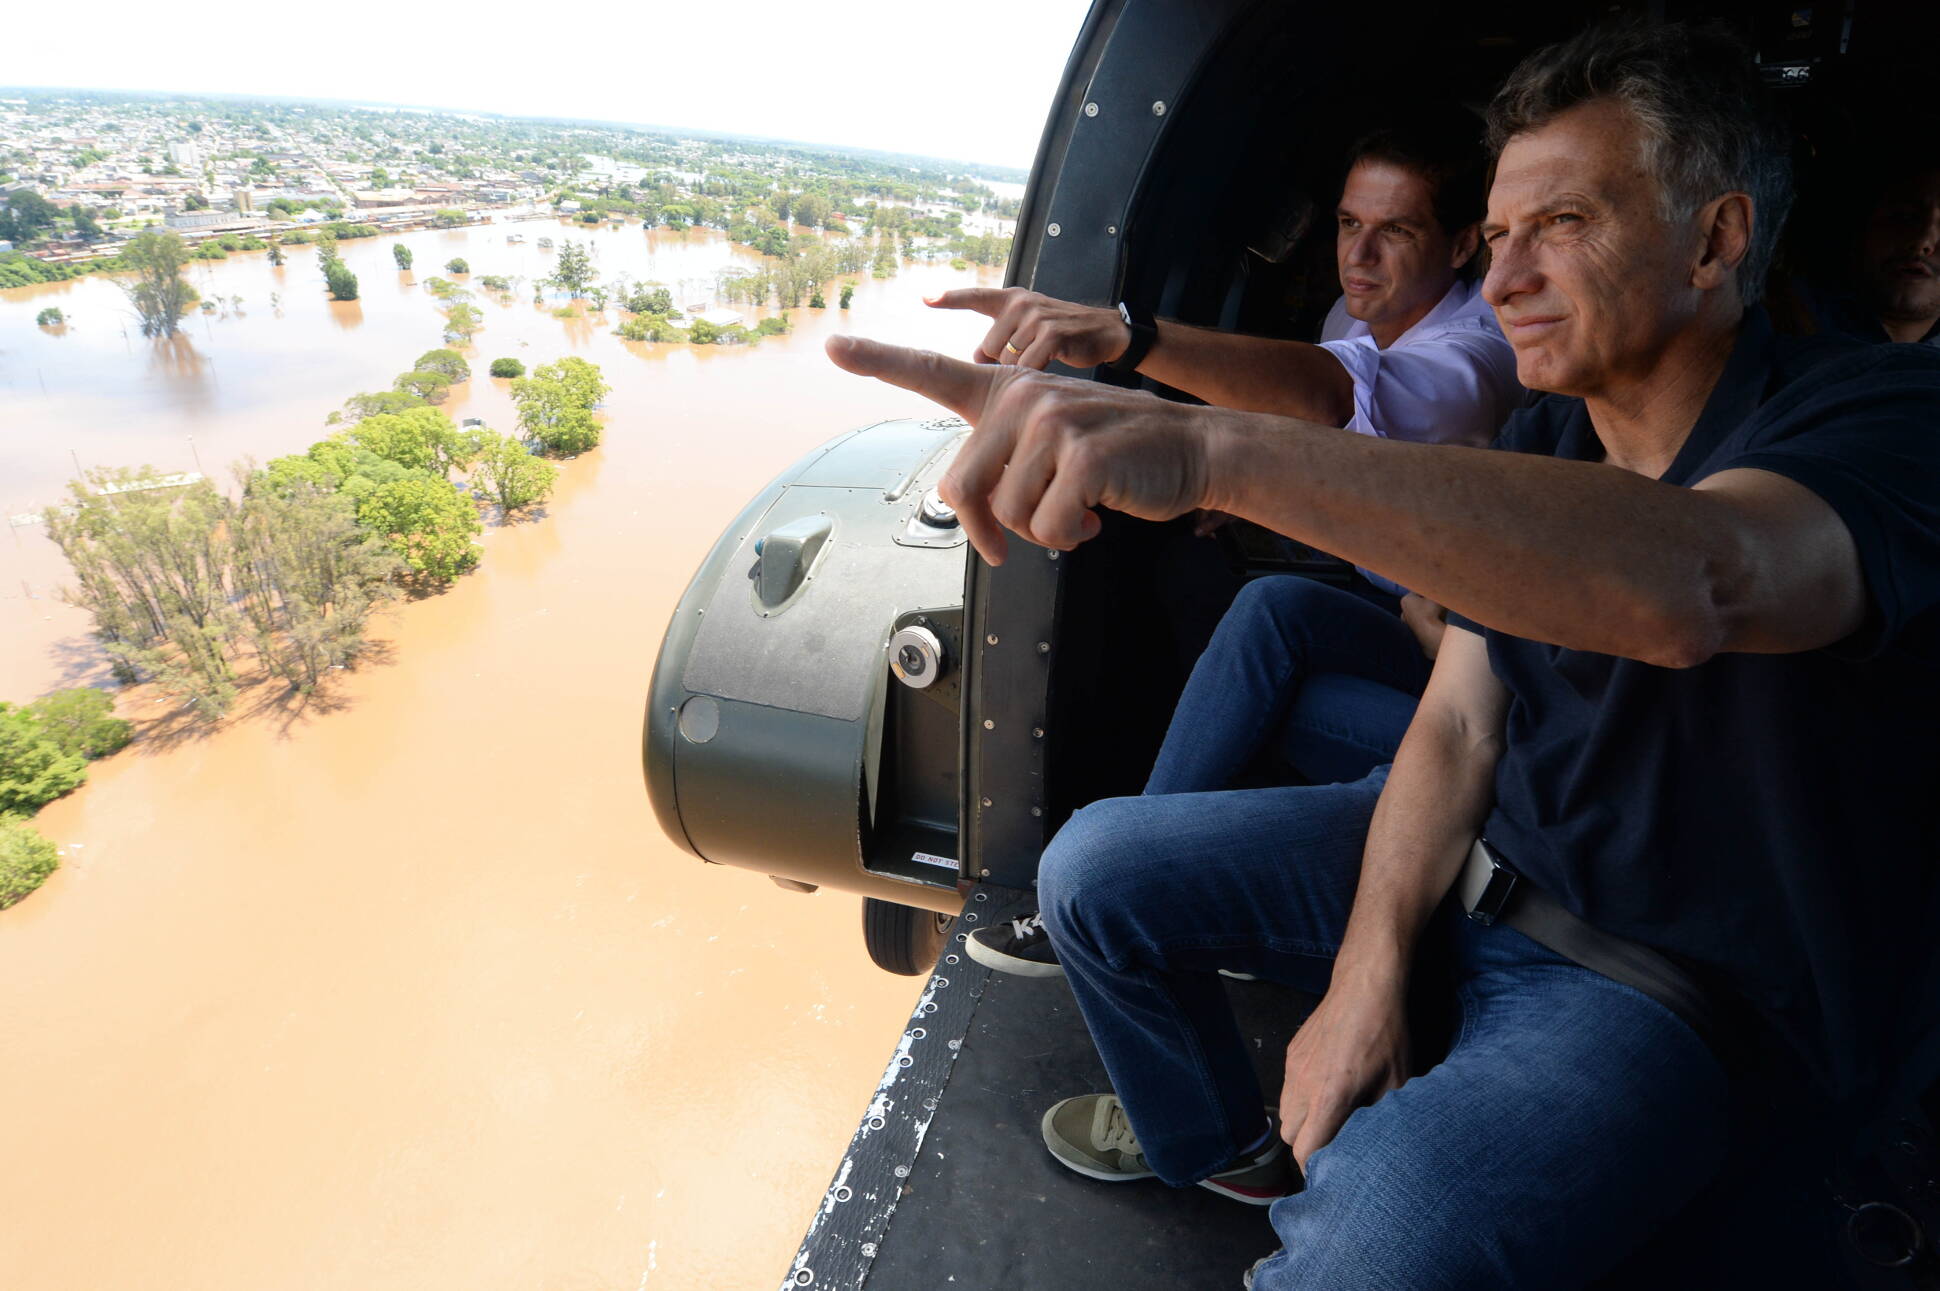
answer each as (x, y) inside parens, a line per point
(1466, 243)
(1724, 229)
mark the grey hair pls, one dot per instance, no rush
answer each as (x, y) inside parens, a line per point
(1695, 96)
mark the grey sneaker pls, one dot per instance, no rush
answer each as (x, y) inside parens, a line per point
(1092, 1135)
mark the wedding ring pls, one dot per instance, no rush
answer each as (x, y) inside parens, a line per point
(1012, 348)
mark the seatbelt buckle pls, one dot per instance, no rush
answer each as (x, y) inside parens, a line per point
(1485, 885)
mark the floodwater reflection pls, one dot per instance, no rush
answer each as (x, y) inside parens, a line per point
(400, 986)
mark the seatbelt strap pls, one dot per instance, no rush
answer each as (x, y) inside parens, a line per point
(1491, 892)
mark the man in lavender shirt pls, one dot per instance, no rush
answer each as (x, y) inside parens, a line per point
(1322, 680)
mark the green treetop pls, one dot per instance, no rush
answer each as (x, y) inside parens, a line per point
(449, 362)
(422, 439)
(81, 721)
(401, 254)
(427, 522)
(26, 859)
(513, 476)
(33, 768)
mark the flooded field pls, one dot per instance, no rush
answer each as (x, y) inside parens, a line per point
(404, 989)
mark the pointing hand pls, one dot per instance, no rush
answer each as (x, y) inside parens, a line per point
(1030, 330)
(1046, 449)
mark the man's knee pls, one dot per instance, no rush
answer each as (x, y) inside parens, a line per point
(1284, 604)
(1106, 867)
(1090, 849)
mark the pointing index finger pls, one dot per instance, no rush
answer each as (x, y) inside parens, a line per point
(988, 301)
(960, 387)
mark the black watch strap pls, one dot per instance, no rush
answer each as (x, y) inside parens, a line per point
(1144, 331)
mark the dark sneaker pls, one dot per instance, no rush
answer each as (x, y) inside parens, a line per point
(1092, 1135)
(1019, 946)
(1258, 1180)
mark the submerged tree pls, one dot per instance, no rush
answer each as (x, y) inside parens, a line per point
(153, 568)
(308, 578)
(26, 859)
(34, 769)
(512, 476)
(448, 362)
(158, 291)
(401, 254)
(427, 522)
(556, 404)
(574, 271)
(462, 322)
(81, 721)
(432, 387)
(422, 439)
(336, 274)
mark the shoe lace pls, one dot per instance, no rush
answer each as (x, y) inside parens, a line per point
(1117, 1134)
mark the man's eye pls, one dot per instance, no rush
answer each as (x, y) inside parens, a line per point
(1566, 217)
(1495, 237)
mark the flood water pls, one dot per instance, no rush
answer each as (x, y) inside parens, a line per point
(404, 989)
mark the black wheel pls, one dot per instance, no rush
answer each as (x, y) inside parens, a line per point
(902, 939)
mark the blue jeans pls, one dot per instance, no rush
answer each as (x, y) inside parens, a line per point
(1323, 677)
(1571, 1116)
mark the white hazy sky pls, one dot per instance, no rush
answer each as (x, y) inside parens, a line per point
(964, 81)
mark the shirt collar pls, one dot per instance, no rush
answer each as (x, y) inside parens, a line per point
(1456, 301)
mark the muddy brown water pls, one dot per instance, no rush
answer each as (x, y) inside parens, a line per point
(404, 989)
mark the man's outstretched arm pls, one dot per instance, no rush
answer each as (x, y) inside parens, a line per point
(1353, 1048)
(1577, 554)
(1250, 373)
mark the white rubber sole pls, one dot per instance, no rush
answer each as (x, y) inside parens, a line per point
(998, 961)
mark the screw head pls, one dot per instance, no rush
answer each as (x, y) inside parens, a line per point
(1158, 108)
(1044, 647)
(1111, 230)
(1037, 732)
(991, 639)
(1053, 229)
(1037, 811)
(1052, 554)
(984, 801)
(1091, 109)
(982, 874)
(989, 725)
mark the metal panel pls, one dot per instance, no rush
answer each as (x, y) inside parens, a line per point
(821, 651)
(850, 1225)
(1134, 64)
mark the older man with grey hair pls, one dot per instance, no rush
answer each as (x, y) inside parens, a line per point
(1673, 760)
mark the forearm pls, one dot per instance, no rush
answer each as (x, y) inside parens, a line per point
(1431, 810)
(1577, 554)
(1252, 373)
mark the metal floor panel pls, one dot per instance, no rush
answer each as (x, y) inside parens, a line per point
(985, 1206)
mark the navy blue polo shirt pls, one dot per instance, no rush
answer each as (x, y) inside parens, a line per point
(1774, 819)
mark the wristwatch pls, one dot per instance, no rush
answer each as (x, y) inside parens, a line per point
(1144, 333)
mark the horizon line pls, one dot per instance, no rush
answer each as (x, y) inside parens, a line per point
(431, 109)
